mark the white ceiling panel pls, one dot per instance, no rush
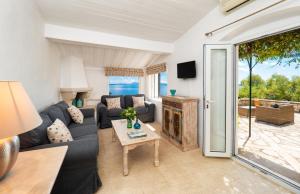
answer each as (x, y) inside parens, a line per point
(160, 20)
(110, 56)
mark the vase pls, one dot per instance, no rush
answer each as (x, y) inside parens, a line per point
(129, 123)
(79, 103)
(136, 124)
(173, 92)
(74, 102)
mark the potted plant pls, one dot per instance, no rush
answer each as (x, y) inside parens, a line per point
(129, 114)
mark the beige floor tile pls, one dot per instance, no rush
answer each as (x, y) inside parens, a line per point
(179, 172)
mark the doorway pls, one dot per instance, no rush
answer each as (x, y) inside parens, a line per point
(268, 105)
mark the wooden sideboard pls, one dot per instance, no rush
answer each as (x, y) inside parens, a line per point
(179, 125)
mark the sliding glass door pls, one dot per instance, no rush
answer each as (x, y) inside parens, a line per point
(268, 105)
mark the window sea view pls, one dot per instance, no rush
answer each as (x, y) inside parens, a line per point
(124, 88)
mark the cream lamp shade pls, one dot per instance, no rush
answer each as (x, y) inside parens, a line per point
(17, 113)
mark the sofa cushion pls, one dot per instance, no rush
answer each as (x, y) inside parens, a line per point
(55, 112)
(138, 101)
(76, 114)
(80, 152)
(113, 103)
(115, 112)
(103, 99)
(129, 101)
(86, 121)
(141, 110)
(64, 106)
(37, 136)
(58, 132)
(78, 131)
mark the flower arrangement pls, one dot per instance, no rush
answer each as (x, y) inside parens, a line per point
(129, 114)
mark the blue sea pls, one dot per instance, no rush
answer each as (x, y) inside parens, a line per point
(132, 88)
(124, 89)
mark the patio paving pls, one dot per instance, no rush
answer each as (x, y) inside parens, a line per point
(275, 147)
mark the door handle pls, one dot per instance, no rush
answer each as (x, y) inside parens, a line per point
(208, 102)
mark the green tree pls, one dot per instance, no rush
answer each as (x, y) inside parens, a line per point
(279, 88)
(284, 47)
(258, 87)
(295, 88)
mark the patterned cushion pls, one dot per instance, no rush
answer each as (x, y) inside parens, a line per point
(76, 114)
(138, 101)
(129, 101)
(58, 132)
(113, 103)
(104, 97)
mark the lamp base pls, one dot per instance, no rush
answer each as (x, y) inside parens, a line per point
(9, 149)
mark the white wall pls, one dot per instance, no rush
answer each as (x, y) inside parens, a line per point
(97, 81)
(25, 55)
(190, 45)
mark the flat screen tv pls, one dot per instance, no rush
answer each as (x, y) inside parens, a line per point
(186, 70)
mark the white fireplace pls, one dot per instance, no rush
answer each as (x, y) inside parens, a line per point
(73, 82)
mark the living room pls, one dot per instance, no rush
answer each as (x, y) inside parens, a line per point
(142, 96)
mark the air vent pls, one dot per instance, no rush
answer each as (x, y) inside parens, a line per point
(228, 5)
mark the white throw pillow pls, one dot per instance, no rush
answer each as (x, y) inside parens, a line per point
(138, 101)
(113, 103)
(58, 132)
(76, 114)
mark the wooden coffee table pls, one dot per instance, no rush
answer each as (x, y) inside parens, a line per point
(120, 130)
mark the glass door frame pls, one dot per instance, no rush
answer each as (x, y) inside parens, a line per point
(229, 102)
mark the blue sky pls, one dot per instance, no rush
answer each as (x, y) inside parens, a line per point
(267, 69)
(163, 77)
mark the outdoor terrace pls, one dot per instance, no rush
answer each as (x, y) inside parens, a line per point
(276, 147)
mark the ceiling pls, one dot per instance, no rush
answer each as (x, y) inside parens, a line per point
(160, 20)
(104, 56)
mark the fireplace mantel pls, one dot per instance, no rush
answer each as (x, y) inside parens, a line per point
(68, 94)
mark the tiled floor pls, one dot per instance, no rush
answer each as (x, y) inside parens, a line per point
(276, 147)
(179, 172)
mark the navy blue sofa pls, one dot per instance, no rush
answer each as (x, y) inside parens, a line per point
(79, 171)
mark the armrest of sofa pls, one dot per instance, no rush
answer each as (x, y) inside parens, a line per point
(102, 112)
(88, 112)
(150, 106)
(102, 108)
(81, 150)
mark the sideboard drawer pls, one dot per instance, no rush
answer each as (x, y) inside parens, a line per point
(172, 104)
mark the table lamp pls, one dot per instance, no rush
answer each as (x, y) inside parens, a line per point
(17, 115)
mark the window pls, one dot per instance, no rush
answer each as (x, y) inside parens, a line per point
(163, 84)
(123, 85)
(158, 85)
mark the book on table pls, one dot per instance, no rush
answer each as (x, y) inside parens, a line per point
(136, 133)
